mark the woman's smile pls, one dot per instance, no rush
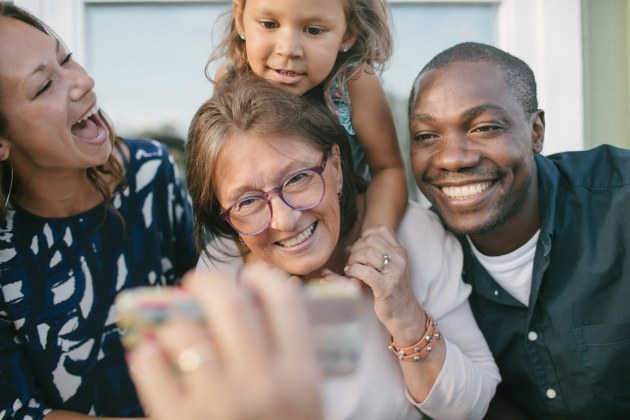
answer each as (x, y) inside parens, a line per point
(297, 240)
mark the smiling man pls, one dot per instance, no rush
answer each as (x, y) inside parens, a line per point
(544, 238)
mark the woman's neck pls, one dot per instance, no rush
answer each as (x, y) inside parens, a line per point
(59, 194)
(55, 197)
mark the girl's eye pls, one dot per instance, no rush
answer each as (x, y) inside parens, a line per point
(267, 24)
(311, 30)
(43, 88)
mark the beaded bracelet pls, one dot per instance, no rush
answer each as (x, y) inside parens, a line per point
(422, 348)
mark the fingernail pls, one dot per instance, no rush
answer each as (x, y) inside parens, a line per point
(346, 268)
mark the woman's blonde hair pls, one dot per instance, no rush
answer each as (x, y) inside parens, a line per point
(367, 20)
(96, 175)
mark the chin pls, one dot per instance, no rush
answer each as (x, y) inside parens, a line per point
(471, 227)
(306, 268)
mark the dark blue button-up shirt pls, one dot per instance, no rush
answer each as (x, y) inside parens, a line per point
(567, 354)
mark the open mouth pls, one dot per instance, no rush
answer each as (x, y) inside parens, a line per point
(465, 191)
(88, 127)
(306, 233)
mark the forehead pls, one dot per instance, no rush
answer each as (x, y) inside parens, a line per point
(13, 31)
(328, 9)
(21, 46)
(248, 160)
(270, 153)
(462, 85)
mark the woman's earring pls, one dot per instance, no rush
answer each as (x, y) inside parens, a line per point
(241, 35)
(345, 48)
(340, 194)
(6, 202)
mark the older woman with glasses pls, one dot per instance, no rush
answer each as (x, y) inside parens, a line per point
(271, 181)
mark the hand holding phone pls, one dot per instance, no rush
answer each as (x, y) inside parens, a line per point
(333, 310)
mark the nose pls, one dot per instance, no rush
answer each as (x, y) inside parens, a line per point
(80, 83)
(288, 43)
(456, 152)
(283, 216)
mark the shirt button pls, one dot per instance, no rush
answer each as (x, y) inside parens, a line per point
(551, 393)
(496, 293)
(532, 336)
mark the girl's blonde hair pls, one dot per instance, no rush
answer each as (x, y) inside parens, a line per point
(367, 20)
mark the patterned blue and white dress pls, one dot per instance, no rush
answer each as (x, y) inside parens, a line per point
(59, 344)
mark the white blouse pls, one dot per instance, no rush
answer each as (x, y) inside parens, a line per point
(376, 389)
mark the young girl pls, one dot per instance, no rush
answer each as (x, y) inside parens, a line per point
(329, 49)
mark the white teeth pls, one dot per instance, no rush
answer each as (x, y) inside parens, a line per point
(298, 239)
(465, 191)
(91, 112)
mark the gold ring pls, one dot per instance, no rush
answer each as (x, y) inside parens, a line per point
(193, 357)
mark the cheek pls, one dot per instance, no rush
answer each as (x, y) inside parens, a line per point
(332, 213)
(327, 61)
(256, 244)
(418, 163)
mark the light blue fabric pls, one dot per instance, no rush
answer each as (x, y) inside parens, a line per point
(342, 106)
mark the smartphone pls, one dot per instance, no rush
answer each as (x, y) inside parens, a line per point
(333, 310)
(145, 308)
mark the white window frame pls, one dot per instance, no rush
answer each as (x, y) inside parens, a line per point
(545, 34)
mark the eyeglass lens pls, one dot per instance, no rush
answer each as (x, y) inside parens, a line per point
(302, 191)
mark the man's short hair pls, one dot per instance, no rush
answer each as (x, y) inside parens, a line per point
(518, 75)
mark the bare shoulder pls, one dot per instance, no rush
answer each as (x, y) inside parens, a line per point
(364, 78)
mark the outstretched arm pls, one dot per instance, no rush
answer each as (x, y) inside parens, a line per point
(373, 122)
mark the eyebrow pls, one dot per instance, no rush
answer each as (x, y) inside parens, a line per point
(317, 17)
(422, 117)
(469, 113)
(474, 111)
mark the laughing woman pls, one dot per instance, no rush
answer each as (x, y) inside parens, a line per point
(83, 214)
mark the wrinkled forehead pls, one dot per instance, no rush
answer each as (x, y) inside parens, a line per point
(253, 149)
(249, 160)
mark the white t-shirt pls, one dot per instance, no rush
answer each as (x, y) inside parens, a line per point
(376, 390)
(512, 271)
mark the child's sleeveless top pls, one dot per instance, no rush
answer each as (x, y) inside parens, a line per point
(340, 97)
